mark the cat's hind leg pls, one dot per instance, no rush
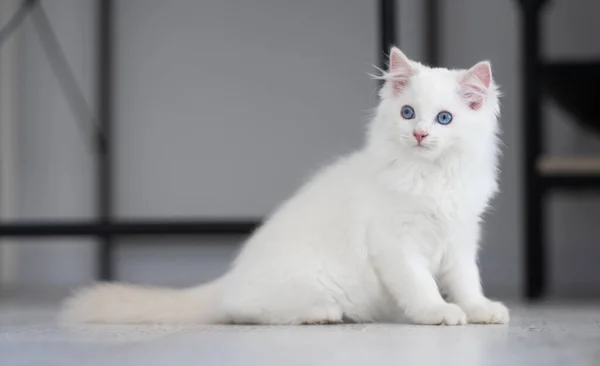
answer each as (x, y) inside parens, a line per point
(290, 305)
(277, 313)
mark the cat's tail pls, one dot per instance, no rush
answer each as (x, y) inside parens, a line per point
(123, 303)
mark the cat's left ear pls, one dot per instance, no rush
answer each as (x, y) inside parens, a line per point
(475, 83)
(400, 70)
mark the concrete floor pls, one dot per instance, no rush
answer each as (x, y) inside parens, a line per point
(542, 335)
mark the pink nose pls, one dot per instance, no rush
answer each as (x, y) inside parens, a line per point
(420, 136)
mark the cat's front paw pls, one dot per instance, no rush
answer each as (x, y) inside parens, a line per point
(441, 314)
(486, 312)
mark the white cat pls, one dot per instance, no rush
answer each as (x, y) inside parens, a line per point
(377, 235)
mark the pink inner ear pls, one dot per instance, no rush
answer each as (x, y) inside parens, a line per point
(397, 61)
(399, 85)
(483, 72)
(475, 83)
(400, 70)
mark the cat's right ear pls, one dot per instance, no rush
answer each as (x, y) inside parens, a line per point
(400, 70)
(475, 83)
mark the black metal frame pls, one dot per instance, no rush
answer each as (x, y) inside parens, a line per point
(538, 184)
(129, 228)
(105, 228)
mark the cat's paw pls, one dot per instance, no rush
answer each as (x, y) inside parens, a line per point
(440, 314)
(486, 312)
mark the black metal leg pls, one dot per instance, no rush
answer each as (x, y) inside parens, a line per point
(535, 271)
(432, 20)
(535, 244)
(387, 29)
(104, 136)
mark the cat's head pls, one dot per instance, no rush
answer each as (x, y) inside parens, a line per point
(433, 112)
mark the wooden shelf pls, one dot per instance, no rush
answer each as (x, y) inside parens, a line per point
(569, 166)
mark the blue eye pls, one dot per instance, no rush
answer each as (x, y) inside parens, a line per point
(444, 118)
(407, 112)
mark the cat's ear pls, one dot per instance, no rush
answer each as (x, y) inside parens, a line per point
(475, 83)
(400, 70)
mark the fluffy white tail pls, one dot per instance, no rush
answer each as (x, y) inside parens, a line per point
(123, 303)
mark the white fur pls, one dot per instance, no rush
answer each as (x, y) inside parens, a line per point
(373, 237)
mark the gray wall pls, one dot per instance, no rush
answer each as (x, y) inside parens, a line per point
(224, 107)
(234, 102)
(55, 165)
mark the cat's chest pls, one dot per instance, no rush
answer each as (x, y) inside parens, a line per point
(438, 201)
(434, 207)
(451, 195)
(442, 191)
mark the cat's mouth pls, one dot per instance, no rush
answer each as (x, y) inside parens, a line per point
(425, 149)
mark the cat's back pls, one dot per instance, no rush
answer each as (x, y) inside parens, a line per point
(325, 212)
(329, 197)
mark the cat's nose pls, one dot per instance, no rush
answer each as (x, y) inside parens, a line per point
(420, 135)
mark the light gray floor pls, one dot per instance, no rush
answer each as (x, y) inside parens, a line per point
(542, 335)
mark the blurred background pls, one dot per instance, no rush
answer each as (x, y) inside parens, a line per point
(217, 110)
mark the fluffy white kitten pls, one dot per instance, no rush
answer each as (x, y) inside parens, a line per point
(379, 234)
